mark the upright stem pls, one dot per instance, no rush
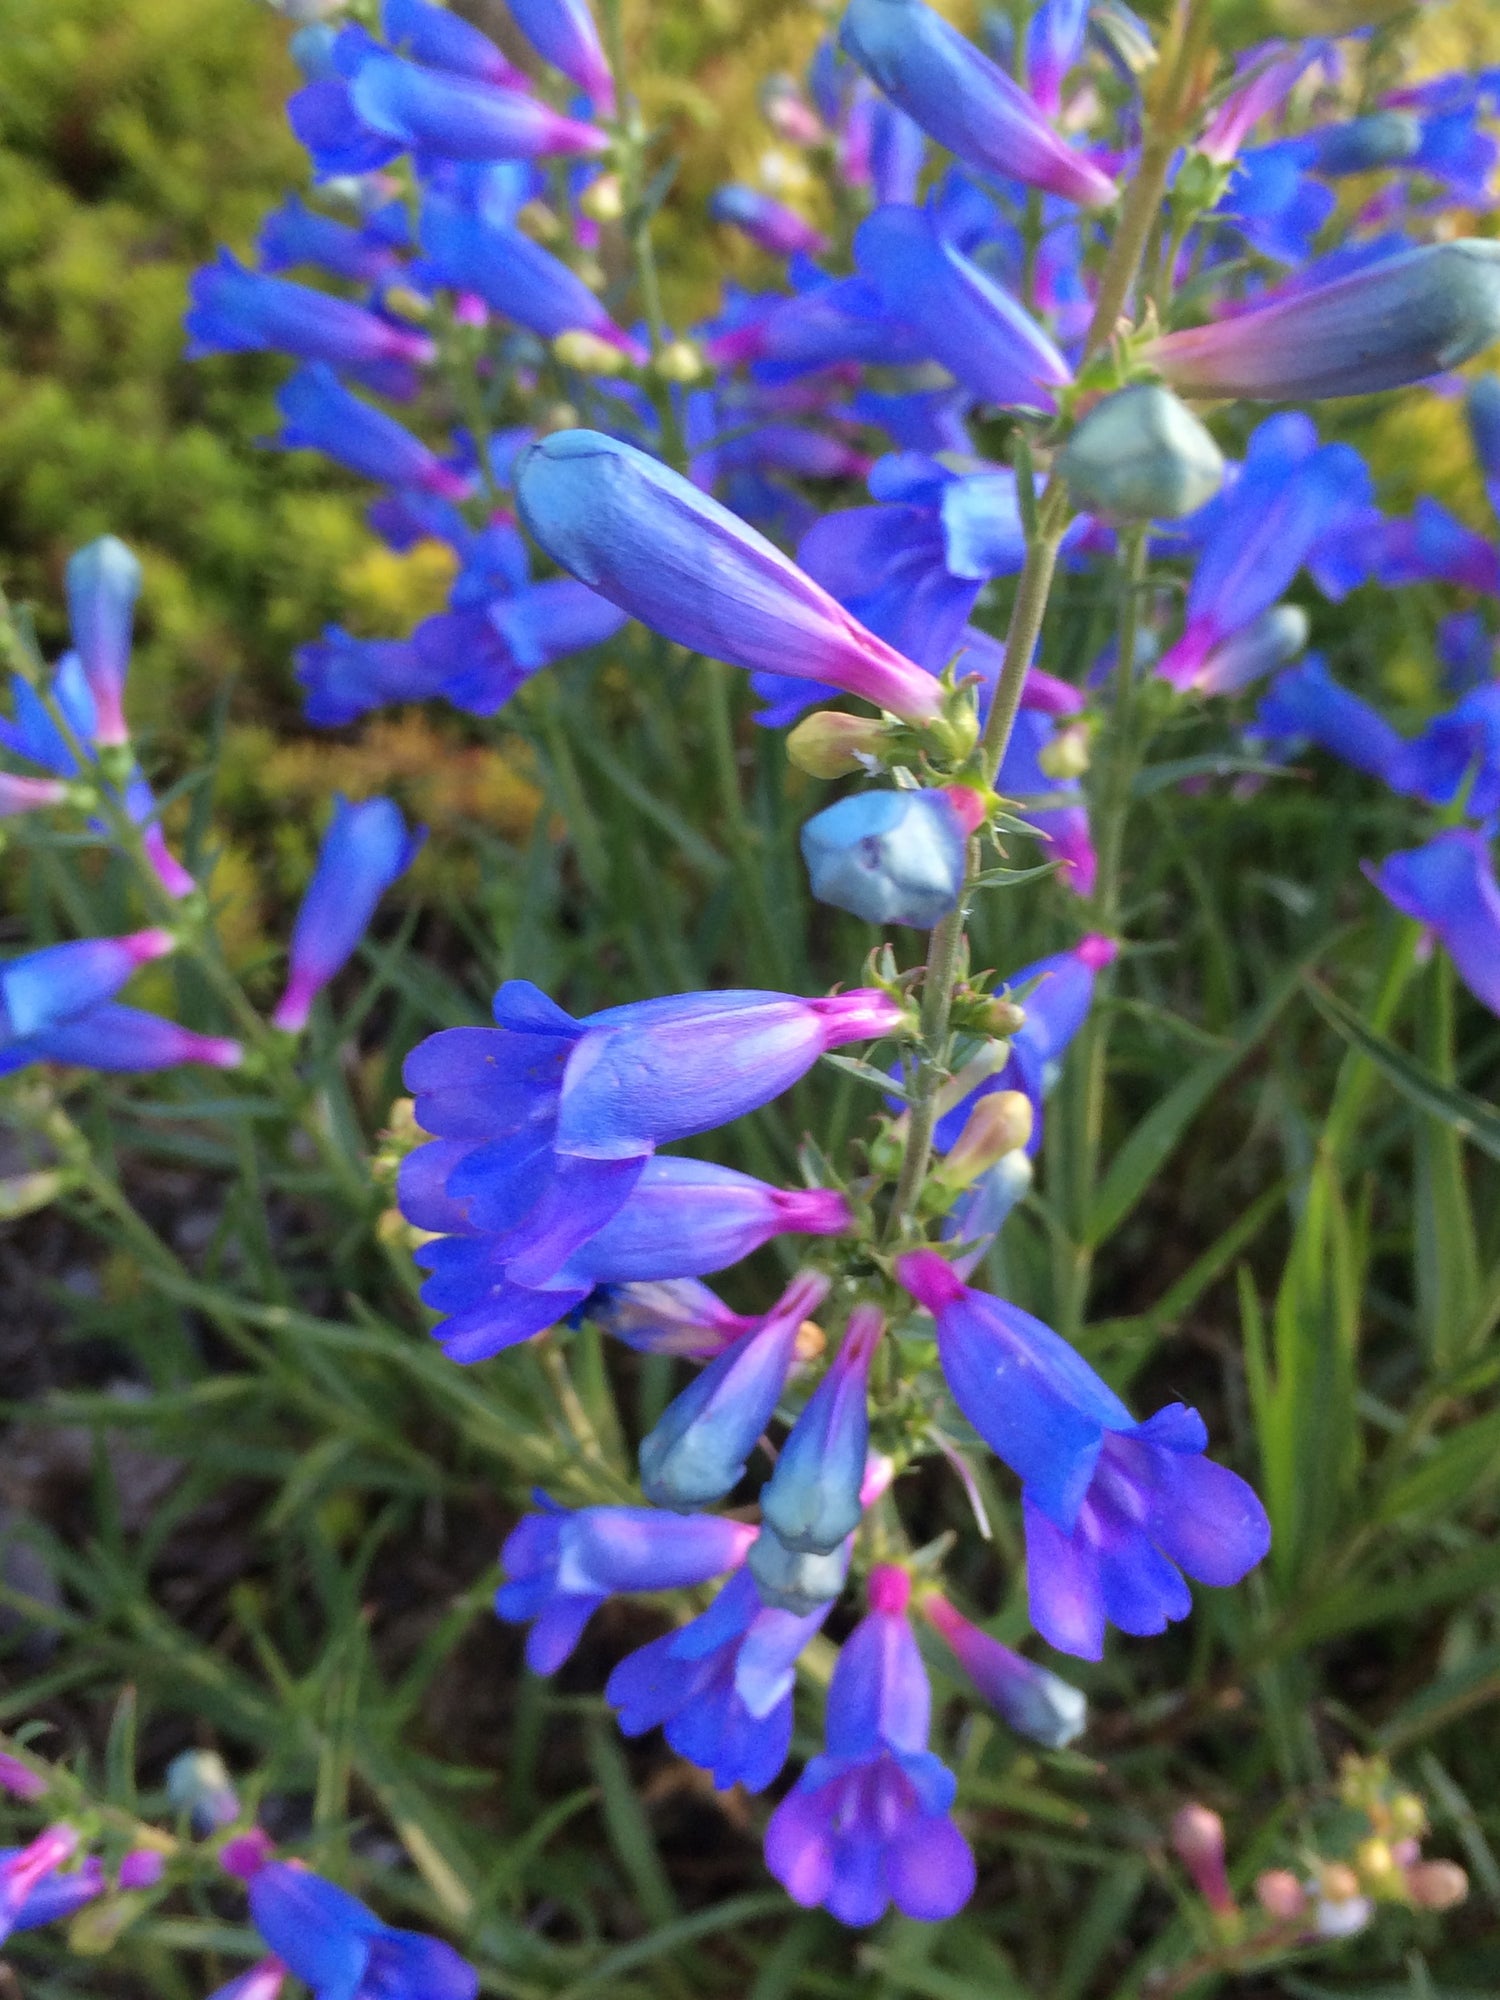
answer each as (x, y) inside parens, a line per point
(1111, 810)
(1142, 202)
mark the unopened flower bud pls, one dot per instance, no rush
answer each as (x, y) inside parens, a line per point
(1280, 1894)
(410, 304)
(1407, 1815)
(19, 1779)
(198, 1784)
(999, 1124)
(1198, 1838)
(1341, 1910)
(587, 353)
(1337, 1882)
(1001, 1017)
(1376, 1866)
(679, 361)
(536, 220)
(1141, 455)
(810, 1343)
(603, 200)
(557, 417)
(891, 857)
(828, 744)
(788, 113)
(793, 1579)
(1437, 1885)
(24, 1194)
(1067, 755)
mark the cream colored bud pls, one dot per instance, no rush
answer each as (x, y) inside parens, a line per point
(557, 417)
(1337, 1883)
(1376, 1866)
(1003, 1017)
(24, 1194)
(536, 220)
(1280, 1894)
(409, 304)
(1067, 755)
(1437, 1885)
(1407, 1814)
(999, 1124)
(587, 353)
(831, 745)
(679, 361)
(592, 273)
(603, 199)
(810, 1343)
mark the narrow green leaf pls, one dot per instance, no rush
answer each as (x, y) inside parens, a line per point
(1469, 1116)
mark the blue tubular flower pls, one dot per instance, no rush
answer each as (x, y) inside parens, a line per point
(720, 1686)
(833, 320)
(1396, 321)
(478, 659)
(1360, 145)
(1275, 205)
(1449, 885)
(340, 1949)
(1291, 494)
(1305, 704)
(1457, 753)
(564, 34)
(1052, 807)
(980, 334)
(1035, 1703)
(104, 581)
(1054, 43)
(42, 989)
(1467, 650)
(1430, 546)
(238, 311)
(365, 849)
(892, 857)
(1113, 1509)
(296, 234)
(676, 1316)
(698, 1449)
(867, 1824)
(25, 1877)
(342, 677)
(796, 1580)
(560, 1566)
(965, 101)
(321, 415)
(979, 1214)
(898, 152)
(594, 1222)
(771, 225)
(812, 1499)
(648, 540)
(445, 40)
(119, 1040)
(23, 795)
(1274, 640)
(515, 277)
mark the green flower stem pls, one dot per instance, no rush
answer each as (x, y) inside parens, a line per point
(1119, 761)
(1181, 62)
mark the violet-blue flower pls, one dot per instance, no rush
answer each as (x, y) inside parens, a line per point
(120, 1041)
(515, 277)
(1482, 408)
(1395, 321)
(234, 311)
(868, 1824)
(1306, 705)
(981, 335)
(1449, 885)
(1291, 493)
(443, 39)
(561, 1565)
(647, 539)
(800, 1581)
(365, 849)
(342, 677)
(892, 857)
(104, 581)
(28, 1873)
(812, 1499)
(39, 990)
(262, 1981)
(296, 234)
(565, 34)
(341, 1950)
(720, 1686)
(322, 415)
(773, 226)
(965, 101)
(1054, 43)
(677, 1316)
(478, 659)
(1114, 1509)
(698, 1448)
(1035, 1703)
